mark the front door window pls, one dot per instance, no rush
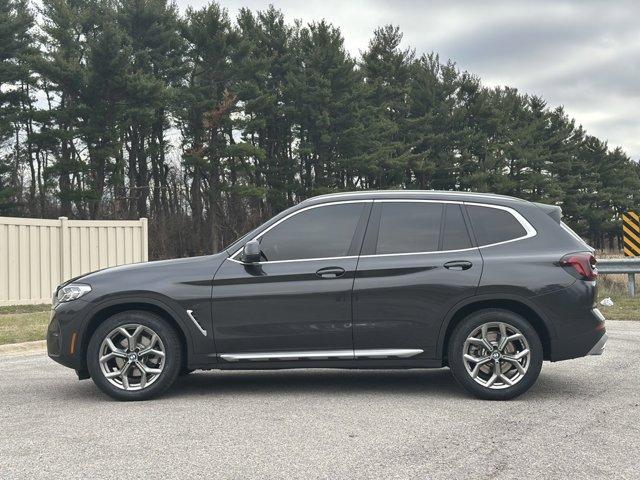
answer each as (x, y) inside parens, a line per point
(321, 232)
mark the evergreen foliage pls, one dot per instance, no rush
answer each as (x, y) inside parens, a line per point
(209, 124)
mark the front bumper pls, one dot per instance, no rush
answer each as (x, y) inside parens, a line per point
(65, 333)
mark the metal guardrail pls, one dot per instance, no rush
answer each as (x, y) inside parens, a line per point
(630, 266)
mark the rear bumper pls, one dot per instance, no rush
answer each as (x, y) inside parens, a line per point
(590, 341)
(598, 348)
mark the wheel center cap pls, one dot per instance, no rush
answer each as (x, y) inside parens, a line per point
(133, 357)
(496, 355)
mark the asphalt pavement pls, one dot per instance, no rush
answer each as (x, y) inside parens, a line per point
(581, 420)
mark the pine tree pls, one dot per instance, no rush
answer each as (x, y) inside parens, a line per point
(434, 124)
(265, 63)
(205, 104)
(102, 111)
(16, 48)
(326, 91)
(156, 66)
(63, 69)
(387, 71)
(268, 113)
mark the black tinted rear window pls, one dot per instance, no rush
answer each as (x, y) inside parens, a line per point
(409, 227)
(492, 225)
(454, 235)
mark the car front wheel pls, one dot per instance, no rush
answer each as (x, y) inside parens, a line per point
(134, 355)
(495, 354)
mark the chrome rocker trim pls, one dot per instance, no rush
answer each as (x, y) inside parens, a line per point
(386, 352)
(323, 354)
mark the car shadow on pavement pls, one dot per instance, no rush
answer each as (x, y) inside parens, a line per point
(319, 381)
(437, 383)
(431, 383)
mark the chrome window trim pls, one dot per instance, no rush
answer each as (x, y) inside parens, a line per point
(374, 255)
(529, 229)
(344, 354)
(294, 260)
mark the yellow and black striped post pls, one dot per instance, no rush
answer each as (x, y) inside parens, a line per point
(631, 234)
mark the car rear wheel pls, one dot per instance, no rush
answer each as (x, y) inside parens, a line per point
(495, 354)
(134, 355)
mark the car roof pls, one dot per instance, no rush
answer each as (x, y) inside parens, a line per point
(416, 194)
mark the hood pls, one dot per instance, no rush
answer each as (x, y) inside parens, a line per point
(155, 269)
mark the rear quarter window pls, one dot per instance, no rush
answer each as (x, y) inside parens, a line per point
(492, 225)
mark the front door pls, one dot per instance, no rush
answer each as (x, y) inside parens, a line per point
(418, 262)
(295, 303)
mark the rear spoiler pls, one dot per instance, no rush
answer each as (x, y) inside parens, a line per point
(553, 211)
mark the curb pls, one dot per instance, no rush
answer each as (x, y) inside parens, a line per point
(24, 348)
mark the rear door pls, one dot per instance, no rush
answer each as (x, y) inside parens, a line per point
(418, 261)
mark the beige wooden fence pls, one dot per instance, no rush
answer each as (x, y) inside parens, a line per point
(36, 254)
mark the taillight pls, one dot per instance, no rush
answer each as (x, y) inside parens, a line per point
(580, 265)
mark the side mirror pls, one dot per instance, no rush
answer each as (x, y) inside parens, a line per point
(251, 252)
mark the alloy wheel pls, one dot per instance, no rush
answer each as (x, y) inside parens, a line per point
(132, 357)
(496, 355)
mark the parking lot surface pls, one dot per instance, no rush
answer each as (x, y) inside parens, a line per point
(581, 420)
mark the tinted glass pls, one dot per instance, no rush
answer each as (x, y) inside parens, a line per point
(454, 235)
(409, 227)
(492, 225)
(315, 233)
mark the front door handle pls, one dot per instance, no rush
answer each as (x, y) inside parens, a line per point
(458, 265)
(330, 272)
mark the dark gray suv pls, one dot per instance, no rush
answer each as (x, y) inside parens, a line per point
(487, 285)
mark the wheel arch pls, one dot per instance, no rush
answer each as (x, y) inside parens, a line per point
(104, 311)
(513, 304)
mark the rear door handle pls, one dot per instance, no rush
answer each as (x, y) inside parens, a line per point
(458, 265)
(330, 272)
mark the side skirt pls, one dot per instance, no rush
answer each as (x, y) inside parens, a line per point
(346, 364)
(348, 359)
(380, 364)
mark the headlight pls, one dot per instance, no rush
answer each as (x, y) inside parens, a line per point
(73, 291)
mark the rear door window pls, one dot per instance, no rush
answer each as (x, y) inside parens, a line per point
(492, 225)
(409, 227)
(454, 234)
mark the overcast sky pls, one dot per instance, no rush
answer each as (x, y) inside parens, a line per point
(584, 55)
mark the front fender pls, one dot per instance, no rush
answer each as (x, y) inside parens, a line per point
(198, 347)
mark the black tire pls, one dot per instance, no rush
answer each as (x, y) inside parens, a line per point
(172, 350)
(457, 364)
